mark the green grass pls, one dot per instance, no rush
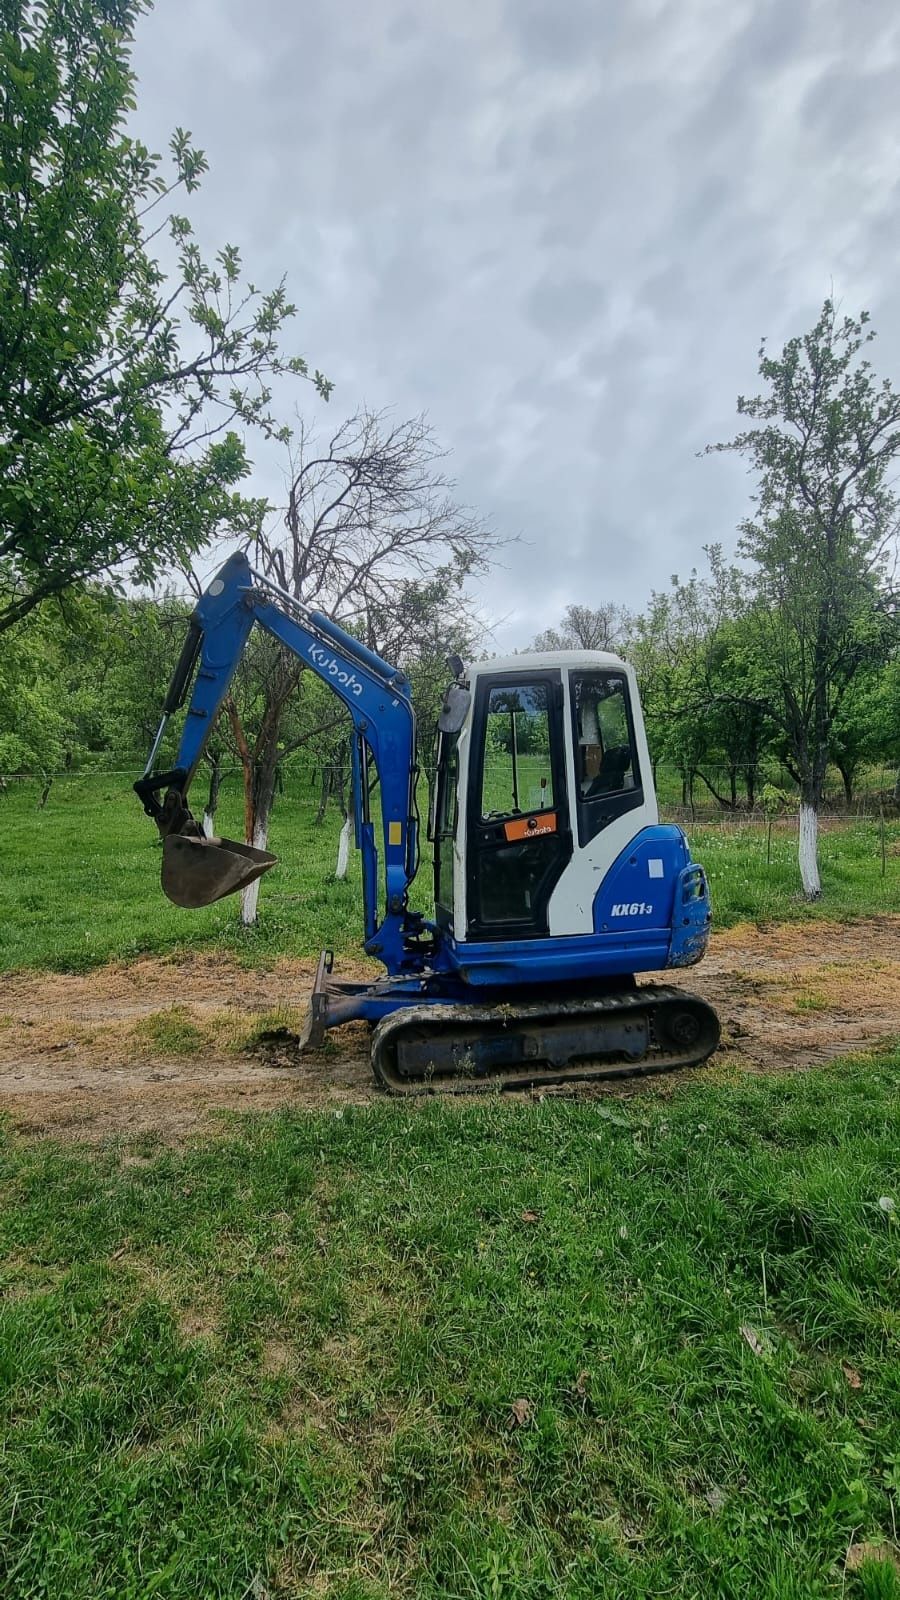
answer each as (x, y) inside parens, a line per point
(745, 887)
(79, 881)
(289, 1363)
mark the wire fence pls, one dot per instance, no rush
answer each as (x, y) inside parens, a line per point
(683, 797)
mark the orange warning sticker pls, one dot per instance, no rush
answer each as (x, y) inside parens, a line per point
(531, 827)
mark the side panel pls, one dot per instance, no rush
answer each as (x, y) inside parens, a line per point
(651, 912)
(638, 893)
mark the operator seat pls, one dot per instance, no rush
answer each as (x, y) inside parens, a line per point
(611, 777)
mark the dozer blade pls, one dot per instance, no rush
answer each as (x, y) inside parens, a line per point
(197, 871)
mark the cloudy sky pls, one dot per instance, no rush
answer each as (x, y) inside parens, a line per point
(558, 226)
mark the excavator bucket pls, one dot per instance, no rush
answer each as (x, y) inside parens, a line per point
(197, 871)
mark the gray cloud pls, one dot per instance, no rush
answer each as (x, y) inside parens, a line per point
(558, 226)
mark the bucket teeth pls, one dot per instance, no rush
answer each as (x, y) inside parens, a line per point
(197, 871)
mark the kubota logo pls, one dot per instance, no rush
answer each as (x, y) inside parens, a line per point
(328, 664)
(634, 908)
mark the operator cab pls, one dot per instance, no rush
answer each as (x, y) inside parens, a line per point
(540, 757)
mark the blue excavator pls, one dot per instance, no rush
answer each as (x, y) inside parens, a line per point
(555, 883)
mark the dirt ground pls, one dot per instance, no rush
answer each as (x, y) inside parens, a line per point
(161, 1046)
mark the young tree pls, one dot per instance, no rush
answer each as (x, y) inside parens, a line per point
(820, 541)
(372, 536)
(121, 389)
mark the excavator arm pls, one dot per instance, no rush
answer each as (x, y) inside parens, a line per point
(377, 697)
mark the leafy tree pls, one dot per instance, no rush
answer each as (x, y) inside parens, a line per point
(880, 717)
(824, 438)
(143, 638)
(121, 388)
(86, 679)
(856, 726)
(33, 721)
(696, 669)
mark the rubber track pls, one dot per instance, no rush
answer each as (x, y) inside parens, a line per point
(648, 1002)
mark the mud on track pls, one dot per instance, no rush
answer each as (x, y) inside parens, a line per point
(161, 1046)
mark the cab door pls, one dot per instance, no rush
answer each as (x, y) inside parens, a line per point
(519, 838)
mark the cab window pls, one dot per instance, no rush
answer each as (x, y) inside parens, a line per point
(606, 768)
(447, 797)
(517, 774)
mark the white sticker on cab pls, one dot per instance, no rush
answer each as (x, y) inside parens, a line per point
(655, 867)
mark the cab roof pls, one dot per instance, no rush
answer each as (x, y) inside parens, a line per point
(540, 660)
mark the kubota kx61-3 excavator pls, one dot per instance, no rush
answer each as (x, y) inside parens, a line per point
(554, 881)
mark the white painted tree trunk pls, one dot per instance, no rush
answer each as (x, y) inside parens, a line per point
(208, 825)
(250, 895)
(343, 855)
(809, 851)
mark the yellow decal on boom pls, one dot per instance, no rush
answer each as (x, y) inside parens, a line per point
(395, 833)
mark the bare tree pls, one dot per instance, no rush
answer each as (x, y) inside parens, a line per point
(587, 628)
(371, 526)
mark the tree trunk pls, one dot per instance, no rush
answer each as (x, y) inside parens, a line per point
(343, 855)
(732, 783)
(250, 895)
(847, 777)
(897, 787)
(260, 774)
(751, 788)
(323, 795)
(212, 799)
(346, 834)
(265, 781)
(808, 852)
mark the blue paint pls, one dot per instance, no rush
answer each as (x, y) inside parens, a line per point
(691, 918)
(349, 646)
(565, 958)
(381, 711)
(629, 900)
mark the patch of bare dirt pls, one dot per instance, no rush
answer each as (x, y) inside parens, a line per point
(798, 994)
(162, 1046)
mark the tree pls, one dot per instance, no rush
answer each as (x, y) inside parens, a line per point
(879, 718)
(587, 628)
(86, 680)
(695, 667)
(372, 536)
(121, 389)
(855, 728)
(820, 540)
(32, 712)
(428, 621)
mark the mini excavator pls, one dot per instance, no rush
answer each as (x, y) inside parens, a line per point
(554, 881)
